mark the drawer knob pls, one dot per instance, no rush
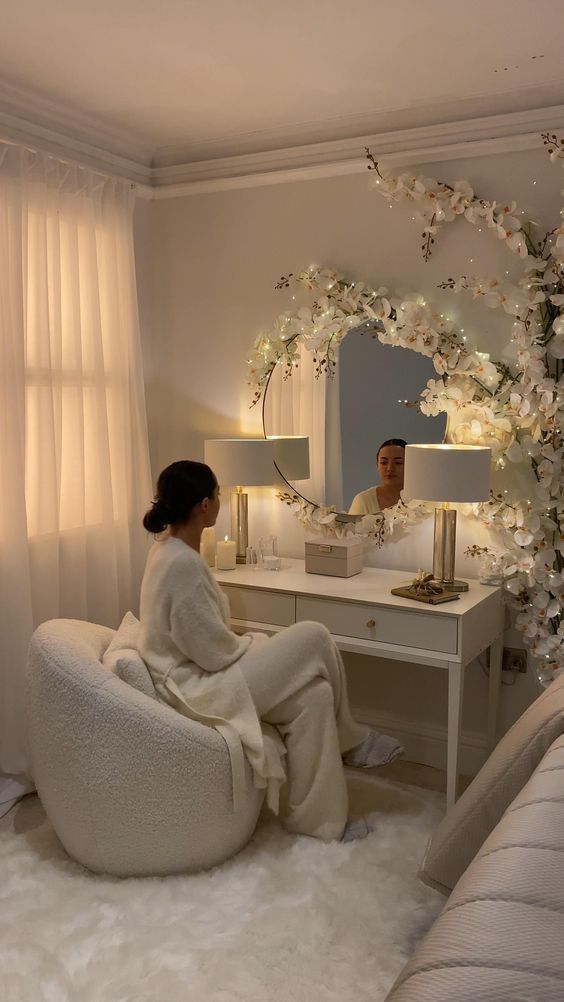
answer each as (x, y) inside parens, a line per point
(371, 623)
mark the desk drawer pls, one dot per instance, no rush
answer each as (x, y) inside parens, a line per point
(423, 631)
(261, 606)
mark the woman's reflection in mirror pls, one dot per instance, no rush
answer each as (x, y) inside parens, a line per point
(390, 466)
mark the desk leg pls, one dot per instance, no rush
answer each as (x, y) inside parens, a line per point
(495, 661)
(455, 694)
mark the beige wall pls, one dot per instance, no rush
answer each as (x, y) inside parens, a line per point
(207, 265)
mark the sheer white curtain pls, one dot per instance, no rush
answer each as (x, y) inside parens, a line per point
(305, 405)
(74, 465)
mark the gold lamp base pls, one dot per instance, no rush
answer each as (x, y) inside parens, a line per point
(452, 585)
(240, 523)
(444, 547)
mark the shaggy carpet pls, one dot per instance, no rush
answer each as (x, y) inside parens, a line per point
(289, 919)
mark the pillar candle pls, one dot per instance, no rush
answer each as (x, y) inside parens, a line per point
(208, 546)
(226, 555)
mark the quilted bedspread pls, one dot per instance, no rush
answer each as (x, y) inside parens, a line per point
(500, 937)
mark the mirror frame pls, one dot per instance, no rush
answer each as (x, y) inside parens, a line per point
(346, 307)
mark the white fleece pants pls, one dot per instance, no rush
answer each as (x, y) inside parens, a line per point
(298, 684)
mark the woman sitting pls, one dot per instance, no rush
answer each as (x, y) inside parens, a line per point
(282, 700)
(389, 463)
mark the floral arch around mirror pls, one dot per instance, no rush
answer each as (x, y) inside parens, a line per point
(517, 409)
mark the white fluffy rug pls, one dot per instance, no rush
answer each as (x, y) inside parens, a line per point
(289, 919)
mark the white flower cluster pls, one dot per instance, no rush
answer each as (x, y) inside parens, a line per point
(320, 328)
(325, 521)
(435, 203)
(517, 411)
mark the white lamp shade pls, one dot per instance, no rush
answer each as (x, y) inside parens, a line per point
(291, 455)
(447, 473)
(240, 462)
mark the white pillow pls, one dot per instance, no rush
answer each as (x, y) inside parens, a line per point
(123, 659)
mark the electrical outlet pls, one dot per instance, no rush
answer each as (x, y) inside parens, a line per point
(514, 659)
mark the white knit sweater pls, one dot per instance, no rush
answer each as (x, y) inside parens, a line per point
(365, 503)
(192, 655)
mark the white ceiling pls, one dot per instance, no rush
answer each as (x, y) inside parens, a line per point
(181, 81)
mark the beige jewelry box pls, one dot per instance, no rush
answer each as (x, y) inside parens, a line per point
(339, 558)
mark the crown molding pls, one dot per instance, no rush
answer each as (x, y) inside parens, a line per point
(494, 134)
(59, 129)
(376, 121)
(252, 175)
(65, 132)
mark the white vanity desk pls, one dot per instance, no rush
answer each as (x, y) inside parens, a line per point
(363, 616)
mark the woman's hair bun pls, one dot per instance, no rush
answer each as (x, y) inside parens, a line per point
(158, 516)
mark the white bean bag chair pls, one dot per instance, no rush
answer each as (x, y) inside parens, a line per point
(131, 787)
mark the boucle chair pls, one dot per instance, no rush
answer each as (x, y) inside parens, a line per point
(131, 787)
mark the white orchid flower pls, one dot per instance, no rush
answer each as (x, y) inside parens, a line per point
(523, 537)
(533, 263)
(461, 197)
(556, 346)
(514, 454)
(517, 243)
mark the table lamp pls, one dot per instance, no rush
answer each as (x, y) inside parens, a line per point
(447, 473)
(237, 462)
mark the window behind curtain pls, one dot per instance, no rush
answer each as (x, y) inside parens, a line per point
(74, 464)
(76, 373)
